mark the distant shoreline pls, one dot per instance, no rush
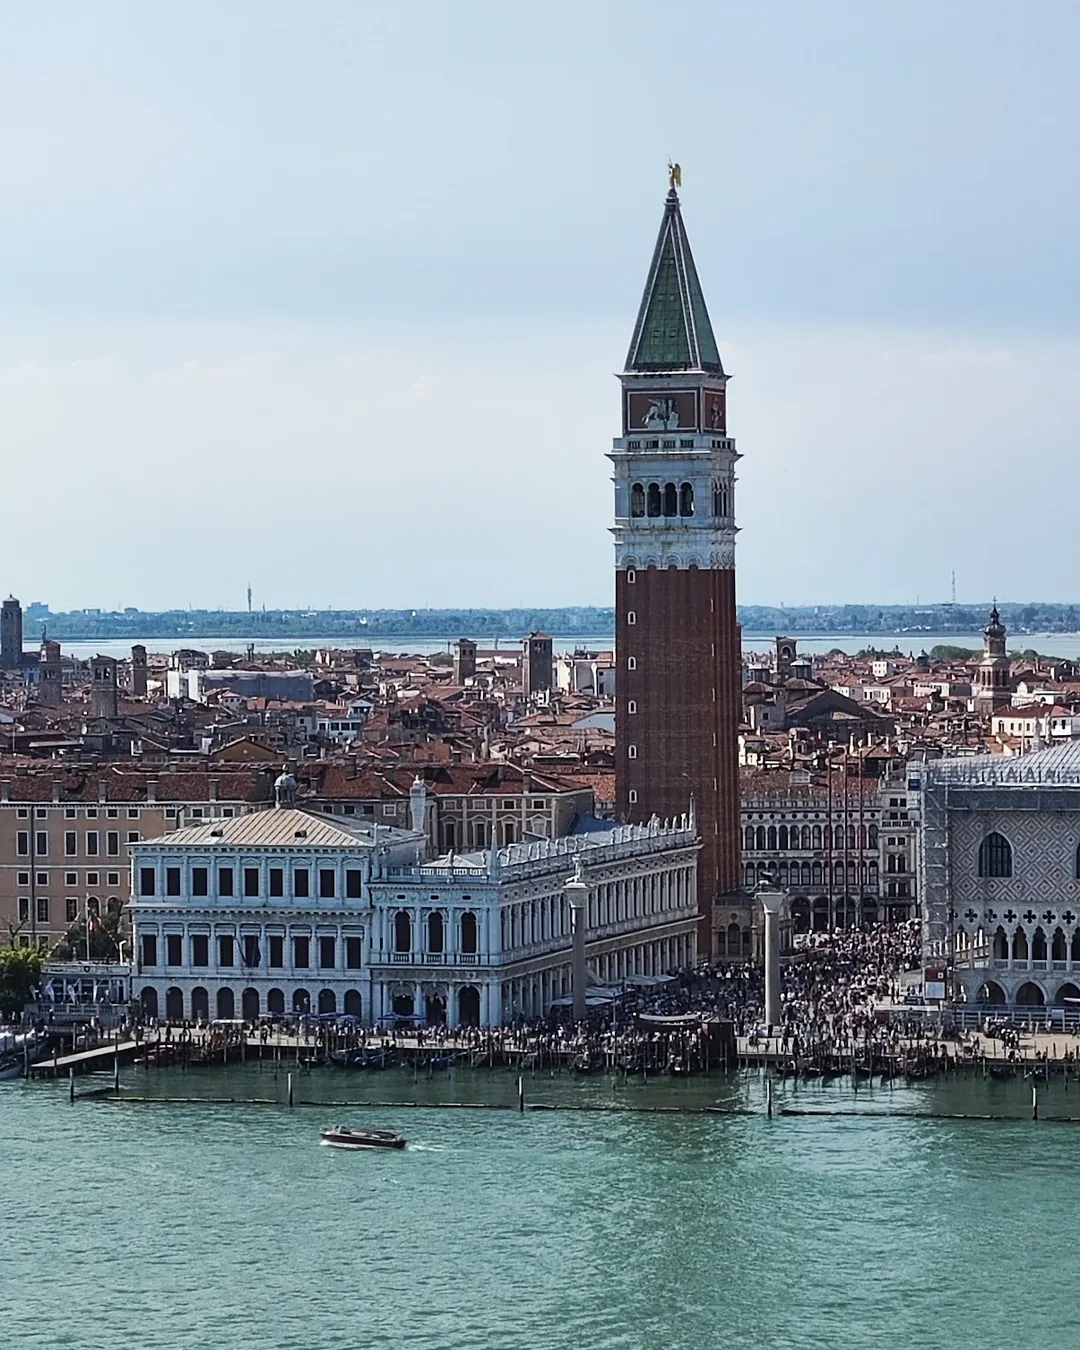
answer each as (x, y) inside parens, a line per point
(935, 638)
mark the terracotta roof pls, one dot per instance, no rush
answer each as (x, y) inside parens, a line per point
(334, 780)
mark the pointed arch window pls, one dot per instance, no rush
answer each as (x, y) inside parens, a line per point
(637, 500)
(995, 856)
(671, 500)
(686, 499)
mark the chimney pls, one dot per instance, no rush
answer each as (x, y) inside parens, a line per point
(212, 788)
(56, 790)
(103, 789)
(5, 790)
(151, 789)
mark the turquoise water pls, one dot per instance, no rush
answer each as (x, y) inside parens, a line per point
(214, 1225)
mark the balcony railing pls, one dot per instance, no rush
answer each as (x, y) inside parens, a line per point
(429, 958)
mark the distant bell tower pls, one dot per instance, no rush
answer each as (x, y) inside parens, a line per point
(139, 670)
(103, 687)
(11, 634)
(537, 658)
(677, 639)
(995, 685)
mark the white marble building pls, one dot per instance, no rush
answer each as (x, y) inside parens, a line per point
(263, 914)
(485, 938)
(285, 911)
(1000, 875)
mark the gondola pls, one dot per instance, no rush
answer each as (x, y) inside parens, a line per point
(11, 1066)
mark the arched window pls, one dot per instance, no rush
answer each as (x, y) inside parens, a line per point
(402, 932)
(838, 837)
(671, 500)
(772, 838)
(468, 933)
(782, 838)
(873, 836)
(637, 500)
(806, 837)
(749, 836)
(851, 838)
(995, 856)
(686, 500)
(719, 500)
(815, 874)
(1038, 945)
(816, 836)
(654, 499)
(761, 838)
(435, 933)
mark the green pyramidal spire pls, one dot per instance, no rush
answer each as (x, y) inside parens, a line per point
(673, 331)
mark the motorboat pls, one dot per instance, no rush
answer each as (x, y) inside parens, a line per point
(344, 1136)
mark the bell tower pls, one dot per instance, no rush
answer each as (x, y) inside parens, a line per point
(994, 683)
(677, 638)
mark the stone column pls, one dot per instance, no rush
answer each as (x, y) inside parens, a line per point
(771, 903)
(576, 891)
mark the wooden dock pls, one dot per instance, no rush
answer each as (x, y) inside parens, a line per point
(88, 1061)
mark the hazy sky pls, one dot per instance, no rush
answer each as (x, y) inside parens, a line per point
(327, 296)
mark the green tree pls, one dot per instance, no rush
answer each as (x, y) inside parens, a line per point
(943, 652)
(104, 940)
(20, 971)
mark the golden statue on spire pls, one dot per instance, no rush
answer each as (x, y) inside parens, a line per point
(674, 175)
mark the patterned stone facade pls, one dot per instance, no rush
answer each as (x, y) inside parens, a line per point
(1000, 859)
